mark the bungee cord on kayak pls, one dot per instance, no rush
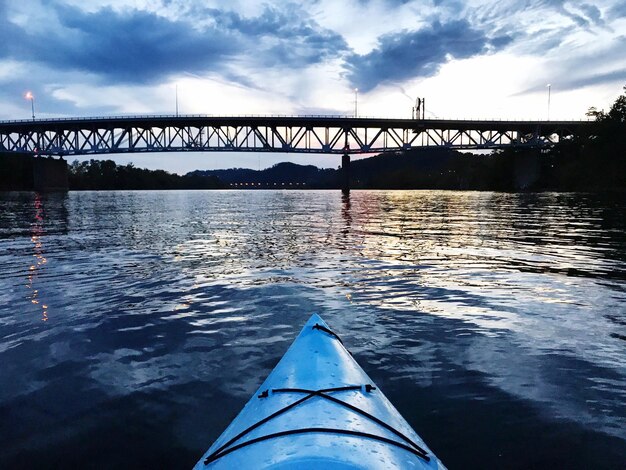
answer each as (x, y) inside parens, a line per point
(265, 394)
(317, 326)
(226, 449)
(292, 432)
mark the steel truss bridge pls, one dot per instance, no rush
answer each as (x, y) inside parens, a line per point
(299, 134)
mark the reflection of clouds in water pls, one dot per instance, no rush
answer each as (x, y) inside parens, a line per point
(158, 290)
(569, 387)
(472, 256)
(123, 372)
(417, 347)
(202, 339)
(126, 371)
(546, 311)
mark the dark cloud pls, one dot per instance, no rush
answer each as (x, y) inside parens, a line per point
(576, 18)
(592, 12)
(285, 35)
(8, 32)
(419, 53)
(139, 47)
(395, 3)
(456, 6)
(604, 66)
(572, 17)
(618, 10)
(130, 47)
(573, 83)
(292, 39)
(579, 80)
(584, 15)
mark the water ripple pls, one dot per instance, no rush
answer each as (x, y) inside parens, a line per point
(157, 304)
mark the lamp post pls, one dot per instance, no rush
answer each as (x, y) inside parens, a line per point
(549, 90)
(29, 96)
(356, 102)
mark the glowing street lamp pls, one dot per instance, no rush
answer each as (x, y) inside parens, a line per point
(29, 96)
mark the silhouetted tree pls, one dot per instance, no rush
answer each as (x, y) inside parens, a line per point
(96, 174)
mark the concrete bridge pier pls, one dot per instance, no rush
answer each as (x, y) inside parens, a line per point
(345, 174)
(49, 174)
(527, 169)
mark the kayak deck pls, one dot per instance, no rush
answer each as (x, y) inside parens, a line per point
(318, 409)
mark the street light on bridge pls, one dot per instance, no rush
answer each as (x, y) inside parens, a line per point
(356, 101)
(29, 96)
(549, 85)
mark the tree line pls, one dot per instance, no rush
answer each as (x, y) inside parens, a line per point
(106, 174)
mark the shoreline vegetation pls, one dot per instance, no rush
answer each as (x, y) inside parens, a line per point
(595, 161)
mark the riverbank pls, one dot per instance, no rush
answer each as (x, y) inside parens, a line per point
(564, 168)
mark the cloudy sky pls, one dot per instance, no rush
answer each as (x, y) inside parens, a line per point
(469, 59)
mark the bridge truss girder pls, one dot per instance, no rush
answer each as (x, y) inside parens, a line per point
(349, 136)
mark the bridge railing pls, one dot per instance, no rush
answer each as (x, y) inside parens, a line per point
(315, 116)
(174, 116)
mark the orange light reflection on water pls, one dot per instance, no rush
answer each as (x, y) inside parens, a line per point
(40, 259)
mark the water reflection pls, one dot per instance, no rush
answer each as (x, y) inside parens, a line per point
(345, 213)
(40, 260)
(166, 303)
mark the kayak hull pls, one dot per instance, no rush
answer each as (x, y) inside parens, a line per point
(318, 409)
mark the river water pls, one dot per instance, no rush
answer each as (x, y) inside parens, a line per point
(135, 325)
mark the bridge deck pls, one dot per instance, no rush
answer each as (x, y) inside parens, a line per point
(304, 134)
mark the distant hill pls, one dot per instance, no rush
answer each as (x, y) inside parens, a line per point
(279, 175)
(382, 170)
(421, 168)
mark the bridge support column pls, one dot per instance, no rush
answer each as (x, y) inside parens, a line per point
(345, 173)
(49, 174)
(526, 169)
